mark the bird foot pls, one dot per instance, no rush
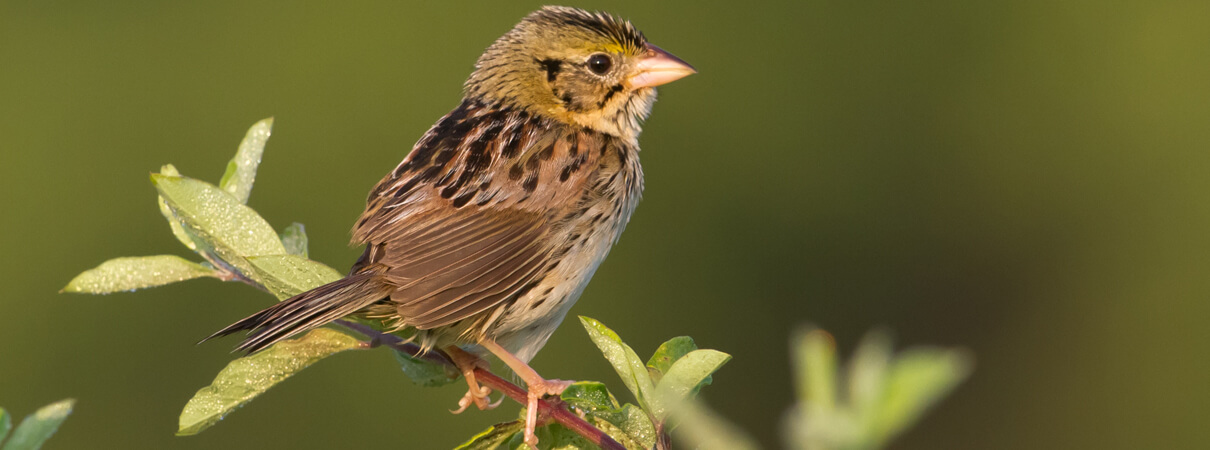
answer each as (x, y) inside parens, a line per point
(478, 398)
(536, 386)
(475, 394)
(536, 390)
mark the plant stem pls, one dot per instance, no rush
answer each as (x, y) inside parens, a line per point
(557, 411)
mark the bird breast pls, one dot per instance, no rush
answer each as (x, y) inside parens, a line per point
(590, 228)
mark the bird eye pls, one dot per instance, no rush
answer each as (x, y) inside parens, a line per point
(599, 63)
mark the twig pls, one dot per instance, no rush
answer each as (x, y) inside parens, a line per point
(556, 411)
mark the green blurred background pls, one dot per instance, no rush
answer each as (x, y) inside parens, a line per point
(1025, 179)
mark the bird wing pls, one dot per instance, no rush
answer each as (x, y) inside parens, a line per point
(461, 265)
(465, 222)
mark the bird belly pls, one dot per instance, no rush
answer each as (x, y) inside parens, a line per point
(524, 328)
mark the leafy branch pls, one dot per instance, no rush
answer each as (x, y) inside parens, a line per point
(237, 244)
(554, 410)
(856, 407)
(859, 406)
(875, 398)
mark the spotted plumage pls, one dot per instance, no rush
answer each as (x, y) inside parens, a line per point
(493, 224)
(545, 179)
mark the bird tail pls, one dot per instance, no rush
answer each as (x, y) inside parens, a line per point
(310, 309)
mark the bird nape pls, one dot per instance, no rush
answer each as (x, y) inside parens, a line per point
(490, 228)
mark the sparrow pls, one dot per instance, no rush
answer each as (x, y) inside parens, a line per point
(490, 228)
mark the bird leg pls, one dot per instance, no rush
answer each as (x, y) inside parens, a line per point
(537, 386)
(476, 394)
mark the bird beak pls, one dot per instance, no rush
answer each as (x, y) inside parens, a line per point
(659, 67)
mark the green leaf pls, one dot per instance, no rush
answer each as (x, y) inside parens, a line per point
(294, 238)
(425, 373)
(628, 365)
(630, 426)
(128, 274)
(867, 375)
(6, 423)
(686, 376)
(241, 171)
(173, 221)
(175, 224)
(815, 362)
(557, 437)
(247, 377)
(589, 396)
(494, 436)
(39, 426)
(917, 379)
(887, 392)
(288, 275)
(670, 351)
(221, 224)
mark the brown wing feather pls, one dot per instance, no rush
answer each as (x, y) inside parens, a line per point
(466, 220)
(456, 291)
(449, 280)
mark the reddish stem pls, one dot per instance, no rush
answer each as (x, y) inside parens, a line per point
(556, 411)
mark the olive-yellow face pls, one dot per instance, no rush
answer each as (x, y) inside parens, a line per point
(586, 83)
(583, 68)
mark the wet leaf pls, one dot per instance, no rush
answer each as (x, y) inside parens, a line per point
(128, 274)
(294, 238)
(589, 396)
(670, 351)
(630, 426)
(221, 224)
(288, 275)
(685, 376)
(241, 170)
(36, 428)
(493, 436)
(247, 377)
(173, 221)
(630, 368)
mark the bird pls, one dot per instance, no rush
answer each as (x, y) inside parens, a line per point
(490, 228)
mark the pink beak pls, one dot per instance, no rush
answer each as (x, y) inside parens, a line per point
(659, 67)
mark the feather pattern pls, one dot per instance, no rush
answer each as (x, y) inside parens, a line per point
(530, 182)
(494, 223)
(310, 309)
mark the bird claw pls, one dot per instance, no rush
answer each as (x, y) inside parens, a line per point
(475, 393)
(536, 386)
(480, 399)
(536, 391)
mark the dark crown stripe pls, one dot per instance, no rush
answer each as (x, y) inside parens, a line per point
(604, 24)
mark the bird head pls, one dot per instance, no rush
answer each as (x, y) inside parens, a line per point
(583, 68)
